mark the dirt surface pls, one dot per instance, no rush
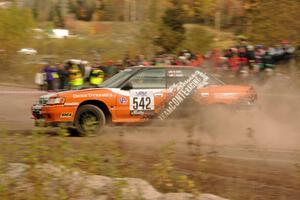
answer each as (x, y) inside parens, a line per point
(15, 104)
(254, 152)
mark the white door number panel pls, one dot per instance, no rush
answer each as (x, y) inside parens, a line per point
(141, 100)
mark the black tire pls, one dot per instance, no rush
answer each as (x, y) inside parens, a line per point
(89, 120)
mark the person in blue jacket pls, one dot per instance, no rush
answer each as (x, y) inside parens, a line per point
(51, 76)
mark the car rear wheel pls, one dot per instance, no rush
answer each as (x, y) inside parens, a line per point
(89, 120)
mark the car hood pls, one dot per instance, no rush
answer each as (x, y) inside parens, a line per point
(81, 91)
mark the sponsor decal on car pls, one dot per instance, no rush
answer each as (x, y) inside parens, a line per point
(137, 112)
(184, 90)
(88, 95)
(123, 100)
(66, 115)
(175, 73)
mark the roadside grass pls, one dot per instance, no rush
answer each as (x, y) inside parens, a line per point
(165, 176)
(204, 38)
(87, 154)
(113, 158)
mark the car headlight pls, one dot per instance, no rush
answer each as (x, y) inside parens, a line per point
(56, 101)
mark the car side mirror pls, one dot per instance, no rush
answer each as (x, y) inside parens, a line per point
(127, 86)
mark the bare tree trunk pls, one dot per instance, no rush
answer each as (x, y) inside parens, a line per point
(127, 10)
(218, 17)
(133, 10)
(64, 8)
(218, 20)
(140, 9)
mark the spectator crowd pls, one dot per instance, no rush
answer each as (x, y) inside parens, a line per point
(75, 74)
(253, 58)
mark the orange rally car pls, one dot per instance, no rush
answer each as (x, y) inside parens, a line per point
(138, 94)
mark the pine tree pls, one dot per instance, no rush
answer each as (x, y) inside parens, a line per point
(83, 9)
(172, 31)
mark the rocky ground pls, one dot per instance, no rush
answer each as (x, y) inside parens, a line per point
(57, 182)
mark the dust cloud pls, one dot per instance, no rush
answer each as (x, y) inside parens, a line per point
(272, 124)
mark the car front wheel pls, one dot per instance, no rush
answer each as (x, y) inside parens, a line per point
(89, 120)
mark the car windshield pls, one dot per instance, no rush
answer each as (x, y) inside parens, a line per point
(118, 79)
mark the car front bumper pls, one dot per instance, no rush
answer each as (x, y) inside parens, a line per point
(36, 111)
(57, 115)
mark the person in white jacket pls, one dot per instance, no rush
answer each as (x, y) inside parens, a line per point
(40, 79)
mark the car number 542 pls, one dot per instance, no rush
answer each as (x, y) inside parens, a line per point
(141, 103)
(141, 100)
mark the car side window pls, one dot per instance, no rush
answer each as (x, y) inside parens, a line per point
(175, 76)
(149, 79)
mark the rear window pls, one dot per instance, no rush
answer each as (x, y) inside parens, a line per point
(175, 76)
